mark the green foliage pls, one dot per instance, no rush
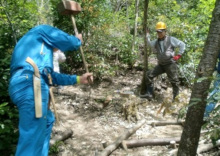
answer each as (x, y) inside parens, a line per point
(107, 28)
(55, 148)
(17, 17)
(212, 121)
(4, 77)
(8, 113)
(215, 135)
(182, 113)
(106, 35)
(8, 128)
(187, 21)
(187, 73)
(212, 125)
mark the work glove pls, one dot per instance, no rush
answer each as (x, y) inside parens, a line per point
(177, 57)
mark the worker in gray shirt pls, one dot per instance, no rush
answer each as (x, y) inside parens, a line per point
(164, 47)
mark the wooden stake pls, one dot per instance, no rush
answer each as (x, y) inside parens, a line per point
(150, 142)
(54, 107)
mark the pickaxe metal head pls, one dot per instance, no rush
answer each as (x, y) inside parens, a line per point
(67, 7)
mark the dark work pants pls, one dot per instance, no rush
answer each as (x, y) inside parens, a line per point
(172, 73)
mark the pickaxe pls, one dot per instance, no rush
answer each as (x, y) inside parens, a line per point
(72, 8)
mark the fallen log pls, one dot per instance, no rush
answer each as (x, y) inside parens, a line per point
(65, 135)
(201, 148)
(110, 148)
(64, 92)
(164, 123)
(207, 147)
(149, 142)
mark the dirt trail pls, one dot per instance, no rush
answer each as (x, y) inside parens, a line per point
(91, 124)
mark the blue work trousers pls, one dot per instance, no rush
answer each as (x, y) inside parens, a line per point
(34, 133)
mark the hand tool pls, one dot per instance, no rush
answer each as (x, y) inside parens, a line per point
(72, 8)
(37, 88)
(52, 98)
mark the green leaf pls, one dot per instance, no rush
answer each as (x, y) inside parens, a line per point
(201, 79)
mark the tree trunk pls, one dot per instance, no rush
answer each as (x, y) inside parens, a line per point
(143, 83)
(197, 104)
(135, 26)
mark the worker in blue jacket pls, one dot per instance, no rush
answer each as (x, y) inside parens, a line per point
(214, 95)
(38, 44)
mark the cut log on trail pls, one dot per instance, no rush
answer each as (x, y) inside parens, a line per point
(149, 142)
(64, 92)
(207, 147)
(201, 148)
(164, 123)
(65, 135)
(109, 149)
(104, 100)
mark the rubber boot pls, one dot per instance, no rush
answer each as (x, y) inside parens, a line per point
(175, 90)
(149, 92)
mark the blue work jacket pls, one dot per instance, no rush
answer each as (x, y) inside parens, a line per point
(38, 44)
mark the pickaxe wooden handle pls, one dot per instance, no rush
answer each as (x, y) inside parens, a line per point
(68, 7)
(81, 50)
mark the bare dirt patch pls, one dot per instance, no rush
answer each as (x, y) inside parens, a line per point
(80, 109)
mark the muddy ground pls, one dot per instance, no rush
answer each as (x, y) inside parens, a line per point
(93, 119)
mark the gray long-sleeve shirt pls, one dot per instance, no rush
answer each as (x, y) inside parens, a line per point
(174, 42)
(165, 48)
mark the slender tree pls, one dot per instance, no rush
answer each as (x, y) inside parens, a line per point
(194, 118)
(135, 25)
(143, 84)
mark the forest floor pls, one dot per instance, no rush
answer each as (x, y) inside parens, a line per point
(95, 115)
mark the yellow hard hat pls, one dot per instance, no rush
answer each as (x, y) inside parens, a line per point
(161, 25)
